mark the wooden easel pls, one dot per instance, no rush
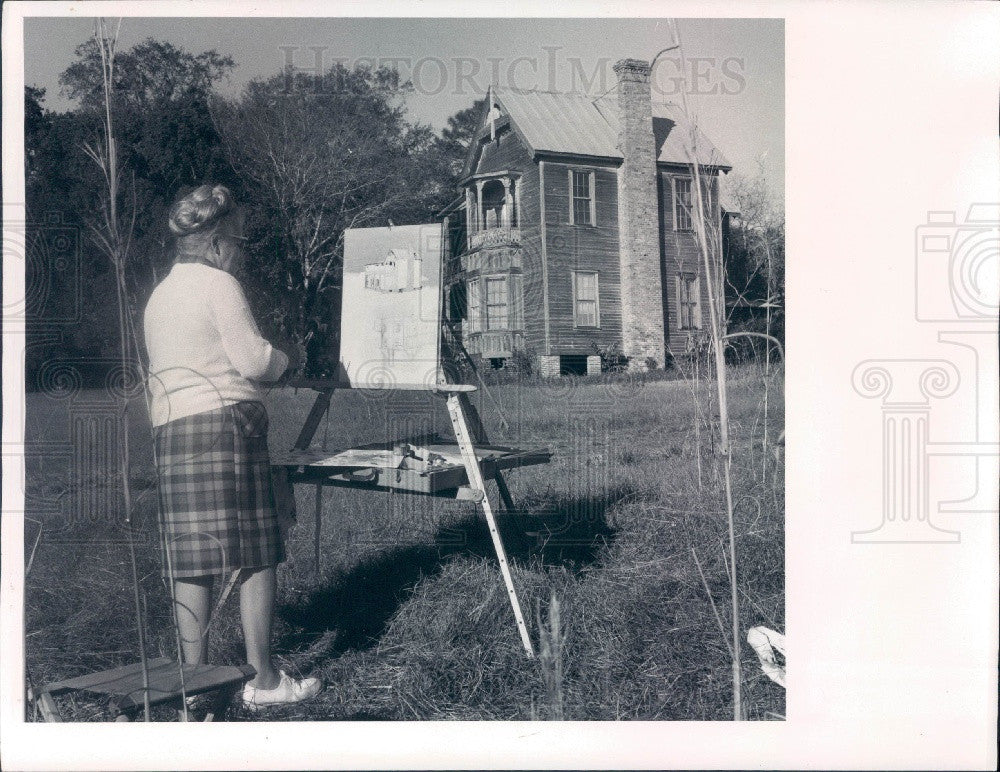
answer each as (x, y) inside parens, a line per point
(469, 431)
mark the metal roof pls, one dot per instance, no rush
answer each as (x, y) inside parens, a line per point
(673, 133)
(560, 122)
(580, 124)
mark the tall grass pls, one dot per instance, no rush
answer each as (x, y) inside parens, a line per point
(705, 212)
(408, 618)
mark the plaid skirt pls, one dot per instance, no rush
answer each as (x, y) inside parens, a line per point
(215, 492)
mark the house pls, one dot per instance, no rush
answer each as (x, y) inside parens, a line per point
(572, 234)
(398, 272)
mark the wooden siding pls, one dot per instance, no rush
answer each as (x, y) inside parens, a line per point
(507, 152)
(680, 254)
(582, 248)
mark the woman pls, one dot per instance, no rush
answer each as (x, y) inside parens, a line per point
(211, 437)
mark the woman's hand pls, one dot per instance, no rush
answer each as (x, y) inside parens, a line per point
(296, 356)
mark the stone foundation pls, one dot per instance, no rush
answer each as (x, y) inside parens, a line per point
(548, 366)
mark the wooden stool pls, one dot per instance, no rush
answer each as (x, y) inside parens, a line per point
(124, 686)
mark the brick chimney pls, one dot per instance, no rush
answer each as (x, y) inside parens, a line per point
(638, 219)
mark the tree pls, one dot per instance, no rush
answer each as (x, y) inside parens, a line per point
(315, 162)
(62, 267)
(153, 72)
(755, 258)
(36, 125)
(166, 140)
(456, 136)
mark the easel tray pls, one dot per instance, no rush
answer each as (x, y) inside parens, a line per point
(431, 467)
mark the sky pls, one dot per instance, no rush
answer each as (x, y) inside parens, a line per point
(735, 67)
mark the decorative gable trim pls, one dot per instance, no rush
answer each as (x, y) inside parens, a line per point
(503, 124)
(472, 153)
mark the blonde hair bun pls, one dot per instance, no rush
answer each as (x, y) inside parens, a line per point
(199, 209)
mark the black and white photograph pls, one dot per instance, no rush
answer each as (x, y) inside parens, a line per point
(413, 371)
(604, 343)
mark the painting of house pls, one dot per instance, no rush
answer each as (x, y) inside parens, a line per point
(398, 272)
(390, 326)
(573, 234)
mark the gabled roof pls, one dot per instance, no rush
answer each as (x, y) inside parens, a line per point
(673, 133)
(580, 124)
(553, 122)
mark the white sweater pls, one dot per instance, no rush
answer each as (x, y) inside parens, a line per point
(204, 346)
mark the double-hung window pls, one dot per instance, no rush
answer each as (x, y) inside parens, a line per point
(581, 208)
(496, 303)
(688, 302)
(488, 304)
(682, 203)
(586, 299)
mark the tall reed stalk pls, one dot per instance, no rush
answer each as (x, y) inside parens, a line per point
(712, 262)
(115, 239)
(115, 242)
(552, 640)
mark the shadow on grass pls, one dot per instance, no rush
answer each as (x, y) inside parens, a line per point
(358, 605)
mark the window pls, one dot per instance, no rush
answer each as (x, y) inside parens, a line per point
(682, 204)
(488, 304)
(474, 306)
(688, 302)
(581, 210)
(493, 204)
(496, 303)
(586, 299)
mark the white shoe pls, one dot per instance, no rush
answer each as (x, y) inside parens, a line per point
(195, 704)
(287, 691)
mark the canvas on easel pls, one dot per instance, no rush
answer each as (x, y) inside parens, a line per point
(390, 326)
(390, 338)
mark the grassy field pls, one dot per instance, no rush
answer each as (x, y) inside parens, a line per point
(407, 617)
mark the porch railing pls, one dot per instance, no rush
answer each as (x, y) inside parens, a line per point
(494, 343)
(495, 237)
